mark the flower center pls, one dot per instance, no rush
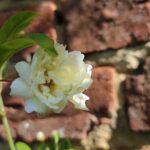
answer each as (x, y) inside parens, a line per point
(49, 84)
(47, 88)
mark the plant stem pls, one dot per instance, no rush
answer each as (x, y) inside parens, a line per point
(56, 140)
(5, 122)
(5, 80)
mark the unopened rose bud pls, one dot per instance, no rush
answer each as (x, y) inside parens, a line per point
(40, 136)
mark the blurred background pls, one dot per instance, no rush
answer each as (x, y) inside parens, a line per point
(114, 36)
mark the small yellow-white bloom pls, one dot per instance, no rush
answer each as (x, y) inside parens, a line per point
(40, 136)
(50, 82)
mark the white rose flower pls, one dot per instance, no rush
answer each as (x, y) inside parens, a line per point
(50, 82)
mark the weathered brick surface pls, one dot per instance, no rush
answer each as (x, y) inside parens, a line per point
(74, 127)
(2, 132)
(137, 91)
(95, 25)
(103, 94)
(18, 114)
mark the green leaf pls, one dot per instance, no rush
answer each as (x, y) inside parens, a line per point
(65, 144)
(15, 24)
(42, 146)
(22, 146)
(9, 48)
(52, 146)
(44, 41)
(56, 137)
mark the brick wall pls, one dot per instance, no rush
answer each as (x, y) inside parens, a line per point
(114, 36)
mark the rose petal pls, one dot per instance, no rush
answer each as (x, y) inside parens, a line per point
(35, 105)
(61, 50)
(44, 100)
(56, 103)
(87, 81)
(24, 70)
(61, 105)
(79, 101)
(71, 71)
(89, 70)
(20, 88)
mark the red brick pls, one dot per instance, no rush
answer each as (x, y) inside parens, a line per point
(101, 25)
(103, 94)
(75, 127)
(18, 114)
(137, 91)
(2, 132)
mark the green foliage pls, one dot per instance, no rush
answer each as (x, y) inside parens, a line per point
(11, 42)
(15, 24)
(61, 144)
(65, 144)
(44, 41)
(42, 146)
(55, 144)
(22, 146)
(9, 48)
(56, 137)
